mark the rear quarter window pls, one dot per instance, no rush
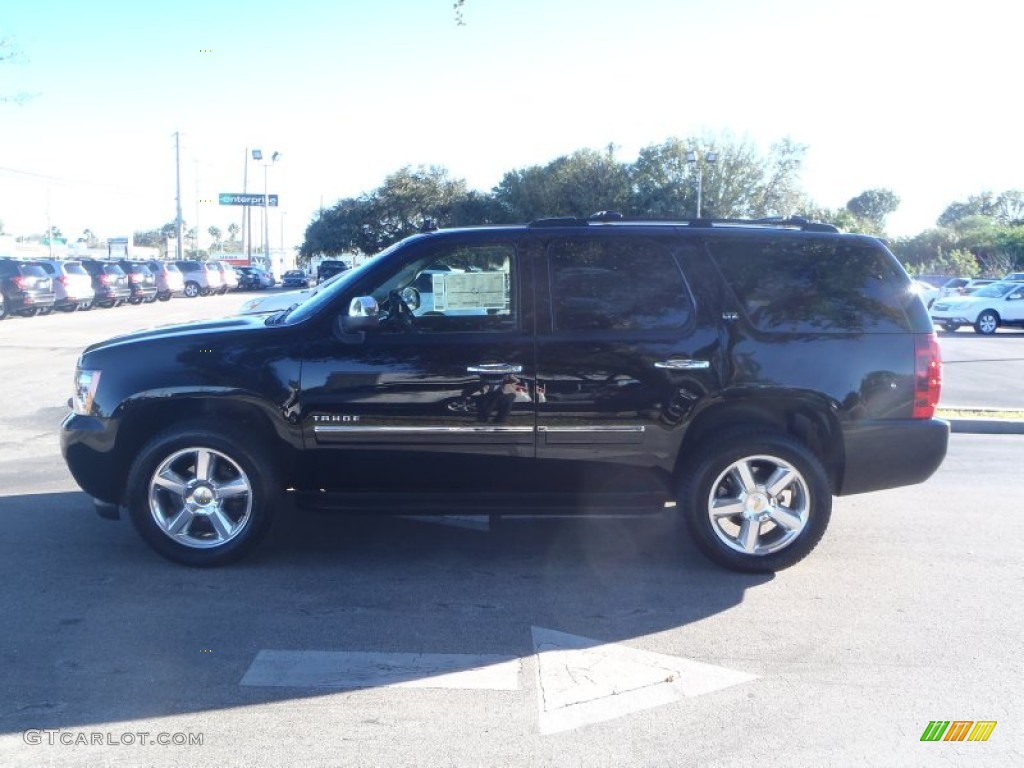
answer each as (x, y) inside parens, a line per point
(790, 285)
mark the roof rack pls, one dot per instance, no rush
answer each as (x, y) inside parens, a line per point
(615, 217)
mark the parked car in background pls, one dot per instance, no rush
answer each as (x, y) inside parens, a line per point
(952, 286)
(988, 308)
(254, 279)
(275, 302)
(25, 288)
(169, 280)
(928, 292)
(228, 276)
(200, 278)
(72, 285)
(331, 267)
(109, 282)
(141, 281)
(1015, 276)
(295, 278)
(976, 283)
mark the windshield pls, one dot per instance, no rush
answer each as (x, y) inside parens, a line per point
(312, 305)
(995, 290)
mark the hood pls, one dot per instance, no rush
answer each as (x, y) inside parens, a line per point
(182, 330)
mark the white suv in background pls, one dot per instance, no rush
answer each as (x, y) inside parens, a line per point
(201, 279)
(72, 285)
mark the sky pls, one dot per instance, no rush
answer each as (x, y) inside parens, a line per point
(915, 96)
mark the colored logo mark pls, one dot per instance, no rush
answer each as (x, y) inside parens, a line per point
(958, 730)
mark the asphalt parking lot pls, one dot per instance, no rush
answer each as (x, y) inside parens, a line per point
(397, 641)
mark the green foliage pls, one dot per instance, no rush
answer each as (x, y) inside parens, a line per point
(574, 185)
(872, 206)
(1005, 208)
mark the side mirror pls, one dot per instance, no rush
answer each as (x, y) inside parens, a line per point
(363, 315)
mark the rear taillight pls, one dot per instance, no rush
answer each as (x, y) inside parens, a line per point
(927, 375)
(134, 278)
(20, 282)
(63, 280)
(104, 279)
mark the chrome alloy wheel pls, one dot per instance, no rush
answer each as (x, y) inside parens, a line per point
(759, 505)
(200, 498)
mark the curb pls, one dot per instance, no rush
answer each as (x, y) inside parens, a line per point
(986, 426)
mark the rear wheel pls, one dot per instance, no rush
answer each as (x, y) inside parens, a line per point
(203, 497)
(756, 502)
(948, 326)
(3, 308)
(987, 323)
(30, 312)
(191, 289)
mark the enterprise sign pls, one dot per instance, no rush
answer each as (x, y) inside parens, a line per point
(240, 198)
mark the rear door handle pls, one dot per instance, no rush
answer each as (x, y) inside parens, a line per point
(495, 368)
(683, 365)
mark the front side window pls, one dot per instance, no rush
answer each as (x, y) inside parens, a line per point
(620, 284)
(453, 288)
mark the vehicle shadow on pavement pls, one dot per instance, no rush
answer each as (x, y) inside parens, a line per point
(102, 630)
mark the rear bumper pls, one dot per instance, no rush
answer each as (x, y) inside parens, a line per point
(892, 452)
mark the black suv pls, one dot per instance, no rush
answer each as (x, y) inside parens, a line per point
(330, 268)
(109, 282)
(141, 281)
(732, 375)
(25, 288)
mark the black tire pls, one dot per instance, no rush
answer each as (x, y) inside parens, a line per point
(242, 492)
(135, 300)
(164, 296)
(4, 313)
(951, 327)
(30, 312)
(45, 310)
(192, 289)
(987, 323)
(150, 299)
(803, 502)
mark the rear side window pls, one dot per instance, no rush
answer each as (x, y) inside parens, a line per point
(32, 270)
(789, 285)
(112, 269)
(618, 284)
(74, 268)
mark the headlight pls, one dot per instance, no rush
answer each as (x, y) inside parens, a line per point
(86, 383)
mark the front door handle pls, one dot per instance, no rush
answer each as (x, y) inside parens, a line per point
(493, 368)
(683, 365)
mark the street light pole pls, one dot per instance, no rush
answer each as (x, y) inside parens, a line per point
(257, 155)
(693, 157)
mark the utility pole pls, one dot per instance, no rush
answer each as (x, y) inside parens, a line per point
(177, 168)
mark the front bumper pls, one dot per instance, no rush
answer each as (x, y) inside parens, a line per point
(87, 444)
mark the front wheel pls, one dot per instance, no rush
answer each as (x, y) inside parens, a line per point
(191, 289)
(756, 502)
(987, 323)
(203, 497)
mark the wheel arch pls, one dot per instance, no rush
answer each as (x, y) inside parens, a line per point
(814, 425)
(142, 421)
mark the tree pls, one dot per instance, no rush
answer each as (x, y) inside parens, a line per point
(740, 183)
(8, 53)
(573, 185)
(216, 234)
(408, 200)
(233, 232)
(872, 206)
